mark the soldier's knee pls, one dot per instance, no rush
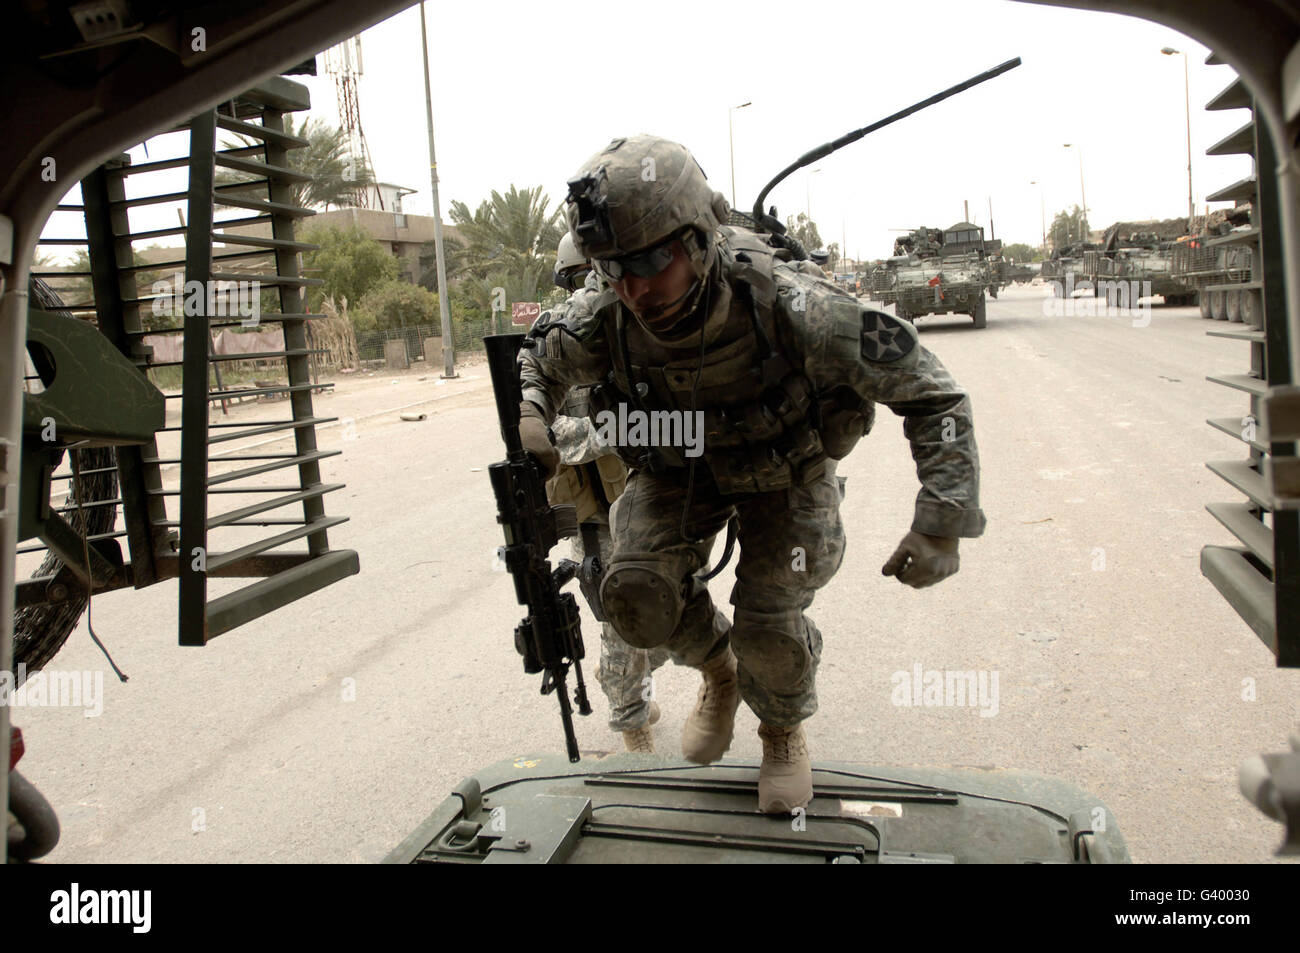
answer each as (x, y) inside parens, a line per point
(642, 599)
(776, 648)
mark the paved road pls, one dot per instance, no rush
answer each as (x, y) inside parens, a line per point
(1119, 667)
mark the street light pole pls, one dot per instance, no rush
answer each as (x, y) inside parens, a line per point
(807, 193)
(1083, 196)
(448, 342)
(1187, 106)
(732, 143)
(1042, 214)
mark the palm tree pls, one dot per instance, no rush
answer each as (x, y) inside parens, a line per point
(337, 175)
(513, 233)
(455, 262)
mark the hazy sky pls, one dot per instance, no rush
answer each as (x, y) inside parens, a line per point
(523, 92)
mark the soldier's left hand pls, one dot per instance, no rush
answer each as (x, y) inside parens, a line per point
(922, 560)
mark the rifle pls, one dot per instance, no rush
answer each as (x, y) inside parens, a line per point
(550, 636)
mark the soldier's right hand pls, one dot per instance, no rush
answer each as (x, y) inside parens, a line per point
(536, 438)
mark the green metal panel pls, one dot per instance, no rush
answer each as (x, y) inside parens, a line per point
(640, 809)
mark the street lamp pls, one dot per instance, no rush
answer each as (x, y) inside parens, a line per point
(440, 257)
(807, 193)
(1082, 194)
(1187, 106)
(1042, 214)
(732, 143)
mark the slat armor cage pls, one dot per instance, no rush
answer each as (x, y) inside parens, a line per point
(239, 197)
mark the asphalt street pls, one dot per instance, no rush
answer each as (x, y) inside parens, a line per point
(328, 730)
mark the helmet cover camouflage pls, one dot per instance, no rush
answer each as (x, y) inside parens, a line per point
(637, 192)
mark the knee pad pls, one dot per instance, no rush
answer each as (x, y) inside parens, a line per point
(642, 603)
(773, 647)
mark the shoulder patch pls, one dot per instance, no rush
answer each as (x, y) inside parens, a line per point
(885, 338)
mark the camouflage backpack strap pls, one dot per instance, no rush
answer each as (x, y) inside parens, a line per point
(787, 404)
(752, 262)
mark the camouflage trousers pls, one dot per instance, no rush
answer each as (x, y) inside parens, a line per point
(791, 544)
(624, 672)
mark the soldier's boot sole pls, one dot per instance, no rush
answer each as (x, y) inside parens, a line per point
(711, 725)
(785, 776)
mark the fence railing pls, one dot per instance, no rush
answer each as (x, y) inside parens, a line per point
(467, 336)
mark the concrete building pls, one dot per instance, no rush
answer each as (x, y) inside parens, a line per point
(402, 234)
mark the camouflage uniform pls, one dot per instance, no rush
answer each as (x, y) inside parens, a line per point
(624, 672)
(786, 369)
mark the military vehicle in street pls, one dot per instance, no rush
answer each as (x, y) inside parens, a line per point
(956, 285)
(1135, 260)
(1064, 270)
(1020, 273)
(943, 272)
(1218, 262)
(879, 282)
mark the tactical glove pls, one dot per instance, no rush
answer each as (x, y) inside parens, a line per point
(536, 438)
(922, 560)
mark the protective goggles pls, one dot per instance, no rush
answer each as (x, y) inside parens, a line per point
(571, 279)
(643, 264)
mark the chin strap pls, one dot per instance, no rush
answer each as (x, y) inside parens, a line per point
(703, 255)
(655, 312)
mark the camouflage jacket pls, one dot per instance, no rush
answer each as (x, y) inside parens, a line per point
(837, 345)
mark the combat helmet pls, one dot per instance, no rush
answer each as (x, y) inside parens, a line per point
(638, 192)
(570, 268)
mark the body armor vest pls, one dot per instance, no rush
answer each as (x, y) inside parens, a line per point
(762, 420)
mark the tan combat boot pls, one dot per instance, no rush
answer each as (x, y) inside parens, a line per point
(708, 731)
(785, 776)
(639, 740)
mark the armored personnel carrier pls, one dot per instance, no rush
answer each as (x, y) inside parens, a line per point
(924, 286)
(1217, 261)
(945, 272)
(1066, 269)
(1020, 274)
(1135, 260)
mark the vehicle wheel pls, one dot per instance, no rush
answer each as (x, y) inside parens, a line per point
(981, 318)
(1232, 305)
(1216, 306)
(1203, 299)
(1250, 308)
